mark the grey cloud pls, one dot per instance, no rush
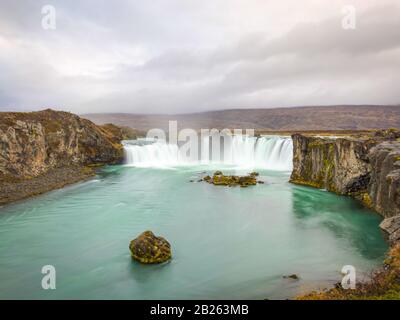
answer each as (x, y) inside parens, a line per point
(182, 56)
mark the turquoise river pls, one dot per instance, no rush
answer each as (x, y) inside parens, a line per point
(228, 243)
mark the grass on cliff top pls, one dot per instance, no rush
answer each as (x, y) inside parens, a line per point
(384, 285)
(317, 132)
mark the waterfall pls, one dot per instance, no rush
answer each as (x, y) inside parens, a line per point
(267, 152)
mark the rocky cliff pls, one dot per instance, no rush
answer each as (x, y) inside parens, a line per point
(338, 165)
(384, 186)
(364, 167)
(34, 145)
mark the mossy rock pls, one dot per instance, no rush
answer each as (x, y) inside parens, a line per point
(247, 181)
(219, 179)
(149, 249)
(366, 200)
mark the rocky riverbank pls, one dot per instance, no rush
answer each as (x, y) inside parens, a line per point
(53, 179)
(367, 168)
(384, 284)
(46, 150)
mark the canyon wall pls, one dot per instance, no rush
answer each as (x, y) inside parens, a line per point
(364, 167)
(34, 142)
(44, 150)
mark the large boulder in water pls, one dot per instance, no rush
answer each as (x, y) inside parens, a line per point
(147, 248)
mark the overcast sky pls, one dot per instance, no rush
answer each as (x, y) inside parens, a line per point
(172, 56)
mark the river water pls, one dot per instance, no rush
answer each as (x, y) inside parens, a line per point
(228, 243)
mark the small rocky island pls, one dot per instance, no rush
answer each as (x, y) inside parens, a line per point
(149, 249)
(219, 179)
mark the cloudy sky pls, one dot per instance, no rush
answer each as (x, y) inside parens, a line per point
(172, 56)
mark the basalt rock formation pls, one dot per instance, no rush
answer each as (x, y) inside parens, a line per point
(149, 249)
(364, 167)
(384, 186)
(40, 145)
(338, 165)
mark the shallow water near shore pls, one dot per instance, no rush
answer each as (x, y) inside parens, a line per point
(228, 243)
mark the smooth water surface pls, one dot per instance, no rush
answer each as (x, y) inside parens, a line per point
(227, 243)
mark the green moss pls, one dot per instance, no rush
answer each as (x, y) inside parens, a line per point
(149, 249)
(87, 170)
(306, 183)
(392, 294)
(219, 179)
(366, 200)
(315, 144)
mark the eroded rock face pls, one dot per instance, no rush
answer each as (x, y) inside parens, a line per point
(338, 165)
(384, 186)
(31, 143)
(147, 248)
(367, 169)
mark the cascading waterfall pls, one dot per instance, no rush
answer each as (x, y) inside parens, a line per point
(267, 152)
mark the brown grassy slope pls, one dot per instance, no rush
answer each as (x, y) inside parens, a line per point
(280, 119)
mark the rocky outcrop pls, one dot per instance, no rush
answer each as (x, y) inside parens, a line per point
(122, 133)
(219, 179)
(149, 249)
(34, 142)
(340, 165)
(43, 144)
(391, 227)
(384, 186)
(366, 168)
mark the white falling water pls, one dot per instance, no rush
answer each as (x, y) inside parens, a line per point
(268, 152)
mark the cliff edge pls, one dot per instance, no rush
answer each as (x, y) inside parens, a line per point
(44, 150)
(364, 167)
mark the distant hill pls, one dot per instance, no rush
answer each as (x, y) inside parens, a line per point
(281, 119)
